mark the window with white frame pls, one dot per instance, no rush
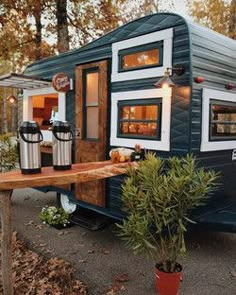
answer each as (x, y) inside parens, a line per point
(218, 120)
(141, 57)
(222, 120)
(141, 117)
(43, 106)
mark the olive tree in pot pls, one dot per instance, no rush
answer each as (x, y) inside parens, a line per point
(159, 197)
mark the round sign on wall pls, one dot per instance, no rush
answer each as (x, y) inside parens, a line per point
(61, 82)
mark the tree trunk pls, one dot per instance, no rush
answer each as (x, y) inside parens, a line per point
(232, 21)
(4, 112)
(62, 26)
(38, 38)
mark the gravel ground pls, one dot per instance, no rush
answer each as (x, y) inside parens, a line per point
(209, 267)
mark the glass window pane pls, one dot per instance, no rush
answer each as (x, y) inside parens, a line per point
(223, 121)
(141, 120)
(141, 59)
(139, 129)
(92, 88)
(223, 113)
(223, 130)
(92, 122)
(142, 112)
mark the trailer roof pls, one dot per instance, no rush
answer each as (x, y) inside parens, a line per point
(145, 25)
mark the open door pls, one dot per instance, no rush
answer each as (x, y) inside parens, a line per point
(91, 125)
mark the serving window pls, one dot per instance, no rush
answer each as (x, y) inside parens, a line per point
(139, 118)
(45, 109)
(222, 120)
(139, 57)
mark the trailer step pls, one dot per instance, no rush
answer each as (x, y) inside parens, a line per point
(89, 219)
(221, 216)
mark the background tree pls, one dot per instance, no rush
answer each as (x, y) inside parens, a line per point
(232, 20)
(5, 110)
(89, 20)
(218, 15)
(62, 26)
(21, 32)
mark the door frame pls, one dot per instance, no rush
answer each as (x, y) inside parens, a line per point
(101, 144)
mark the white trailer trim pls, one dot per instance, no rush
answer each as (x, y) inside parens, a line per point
(164, 143)
(207, 95)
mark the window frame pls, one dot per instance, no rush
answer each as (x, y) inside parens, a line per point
(84, 77)
(28, 107)
(223, 103)
(141, 48)
(216, 145)
(165, 36)
(156, 145)
(140, 102)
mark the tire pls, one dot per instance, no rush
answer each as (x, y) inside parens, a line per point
(65, 203)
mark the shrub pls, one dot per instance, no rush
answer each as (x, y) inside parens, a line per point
(54, 216)
(159, 196)
(8, 153)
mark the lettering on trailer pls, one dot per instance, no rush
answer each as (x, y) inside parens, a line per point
(61, 82)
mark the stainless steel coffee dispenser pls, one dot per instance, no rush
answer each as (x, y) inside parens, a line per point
(61, 145)
(30, 137)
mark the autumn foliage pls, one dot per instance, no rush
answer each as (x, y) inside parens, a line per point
(33, 275)
(218, 15)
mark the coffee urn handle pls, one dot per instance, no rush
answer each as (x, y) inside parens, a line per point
(62, 139)
(30, 141)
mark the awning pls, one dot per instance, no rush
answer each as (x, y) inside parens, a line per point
(13, 80)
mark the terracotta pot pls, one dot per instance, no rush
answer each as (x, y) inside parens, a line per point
(167, 283)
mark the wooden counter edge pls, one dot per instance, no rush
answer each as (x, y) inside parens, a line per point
(71, 176)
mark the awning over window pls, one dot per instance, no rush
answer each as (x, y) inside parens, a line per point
(13, 80)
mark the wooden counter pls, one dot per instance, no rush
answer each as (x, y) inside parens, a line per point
(79, 173)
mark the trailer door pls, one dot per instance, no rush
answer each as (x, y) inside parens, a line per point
(91, 125)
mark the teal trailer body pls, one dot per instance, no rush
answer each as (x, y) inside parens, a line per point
(197, 116)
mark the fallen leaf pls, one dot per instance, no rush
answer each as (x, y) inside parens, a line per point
(42, 245)
(31, 222)
(105, 252)
(121, 278)
(91, 252)
(233, 273)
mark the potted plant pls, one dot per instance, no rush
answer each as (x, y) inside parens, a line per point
(55, 216)
(159, 196)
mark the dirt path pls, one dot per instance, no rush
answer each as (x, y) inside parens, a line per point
(101, 260)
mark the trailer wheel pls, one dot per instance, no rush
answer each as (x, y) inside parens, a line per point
(65, 203)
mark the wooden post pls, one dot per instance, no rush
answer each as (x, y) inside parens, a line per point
(5, 203)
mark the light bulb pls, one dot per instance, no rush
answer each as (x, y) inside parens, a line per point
(165, 85)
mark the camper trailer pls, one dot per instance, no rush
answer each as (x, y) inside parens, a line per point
(113, 99)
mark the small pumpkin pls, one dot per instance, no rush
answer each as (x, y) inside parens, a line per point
(115, 157)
